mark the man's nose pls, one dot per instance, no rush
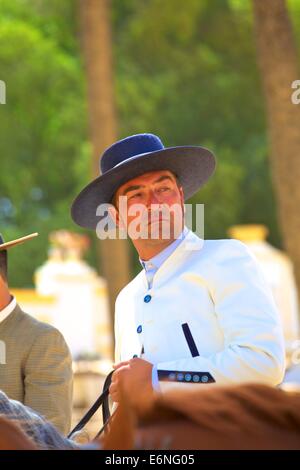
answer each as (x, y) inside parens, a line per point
(152, 198)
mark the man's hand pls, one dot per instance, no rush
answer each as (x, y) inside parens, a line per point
(136, 378)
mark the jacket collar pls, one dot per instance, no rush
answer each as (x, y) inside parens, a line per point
(157, 260)
(5, 312)
(191, 244)
(12, 316)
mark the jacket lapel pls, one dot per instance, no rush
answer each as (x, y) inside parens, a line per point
(190, 244)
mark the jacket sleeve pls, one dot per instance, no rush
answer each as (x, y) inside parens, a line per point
(253, 340)
(49, 380)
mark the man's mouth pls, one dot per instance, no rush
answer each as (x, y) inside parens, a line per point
(160, 219)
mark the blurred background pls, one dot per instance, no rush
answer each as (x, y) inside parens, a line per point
(80, 75)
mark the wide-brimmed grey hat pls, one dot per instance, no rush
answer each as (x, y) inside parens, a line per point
(134, 156)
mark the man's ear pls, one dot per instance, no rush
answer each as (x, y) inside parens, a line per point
(182, 198)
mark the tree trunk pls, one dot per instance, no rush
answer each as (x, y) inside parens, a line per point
(97, 51)
(279, 68)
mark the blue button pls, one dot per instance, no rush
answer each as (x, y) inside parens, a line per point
(147, 298)
(187, 377)
(204, 378)
(180, 377)
(196, 378)
(172, 376)
(139, 329)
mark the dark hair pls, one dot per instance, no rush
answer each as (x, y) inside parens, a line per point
(3, 261)
(3, 264)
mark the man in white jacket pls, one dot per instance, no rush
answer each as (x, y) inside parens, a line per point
(200, 311)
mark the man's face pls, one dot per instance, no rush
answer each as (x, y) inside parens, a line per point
(152, 206)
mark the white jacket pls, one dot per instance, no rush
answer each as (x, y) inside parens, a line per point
(209, 317)
(278, 271)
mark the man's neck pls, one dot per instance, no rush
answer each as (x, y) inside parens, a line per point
(5, 297)
(148, 251)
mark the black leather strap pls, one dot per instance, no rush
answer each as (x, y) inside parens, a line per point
(105, 407)
(103, 399)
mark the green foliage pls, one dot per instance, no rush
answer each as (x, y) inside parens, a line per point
(42, 133)
(191, 74)
(184, 70)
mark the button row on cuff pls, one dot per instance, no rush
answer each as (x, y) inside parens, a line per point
(188, 377)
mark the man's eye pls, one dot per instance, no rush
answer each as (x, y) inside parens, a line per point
(135, 195)
(164, 188)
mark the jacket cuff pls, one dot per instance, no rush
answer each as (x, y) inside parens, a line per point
(155, 379)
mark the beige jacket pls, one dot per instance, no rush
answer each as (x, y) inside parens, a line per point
(38, 367)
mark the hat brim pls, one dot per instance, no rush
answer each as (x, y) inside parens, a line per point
(192, 165)
(18, 241)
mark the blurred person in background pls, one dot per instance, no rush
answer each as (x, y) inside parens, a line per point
(279, 274)
(35, 362)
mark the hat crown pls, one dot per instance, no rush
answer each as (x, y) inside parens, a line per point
(129, 147)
